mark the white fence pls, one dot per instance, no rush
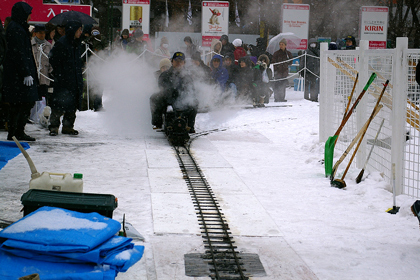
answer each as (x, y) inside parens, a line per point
(398, 142)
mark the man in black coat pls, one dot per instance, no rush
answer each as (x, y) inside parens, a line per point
(3, 47)
(312, 75)
(68, 80)
(176, 86)
(20, 75)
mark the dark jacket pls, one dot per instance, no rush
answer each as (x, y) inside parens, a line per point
(19, 62)
(246, 76)
(233, 69)
(67, 70)
(177, 87)
(220, 75)
(3, 48)
(3, 44)
(281, 70)
(228, 48)
(312, 63)
(418, 73)
(259, 49)
(137, 47)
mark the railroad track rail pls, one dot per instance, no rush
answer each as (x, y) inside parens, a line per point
(221, 254)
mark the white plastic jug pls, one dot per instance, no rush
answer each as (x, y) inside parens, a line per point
(64, 182)
(49, 181)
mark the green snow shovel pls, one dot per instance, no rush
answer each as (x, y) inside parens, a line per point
(330, 143)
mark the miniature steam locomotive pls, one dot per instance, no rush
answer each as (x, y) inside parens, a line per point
(175, 126)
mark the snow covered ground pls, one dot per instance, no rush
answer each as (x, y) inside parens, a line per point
(264, 169)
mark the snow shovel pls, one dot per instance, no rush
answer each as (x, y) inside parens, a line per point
(360, 176)
(330, 143)
(353, 142)
(340, 183)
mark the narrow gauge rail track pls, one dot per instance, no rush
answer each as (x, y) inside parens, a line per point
(220, 252)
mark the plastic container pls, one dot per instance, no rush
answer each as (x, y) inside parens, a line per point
(103, 204)
(64, 182)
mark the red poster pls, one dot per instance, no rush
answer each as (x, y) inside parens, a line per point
(42, 12)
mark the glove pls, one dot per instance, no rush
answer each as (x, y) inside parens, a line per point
(28, 81)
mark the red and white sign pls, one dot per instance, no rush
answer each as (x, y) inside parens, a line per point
(374, 26)
(42, 13)
(136, 14)
(295, 19)
(215, 21)
(147, 2)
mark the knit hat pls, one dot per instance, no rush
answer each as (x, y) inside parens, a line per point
(237, 42)
(284, 41)
(138, 33)
(39, 28)
(125, 32)
(164, 40)
(165, 62)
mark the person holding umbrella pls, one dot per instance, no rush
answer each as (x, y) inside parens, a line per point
(20, 75)
(68, 79)
(281, 60)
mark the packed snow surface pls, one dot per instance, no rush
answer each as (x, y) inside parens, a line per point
(264, 168)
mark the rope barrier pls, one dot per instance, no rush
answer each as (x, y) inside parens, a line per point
(88, 49)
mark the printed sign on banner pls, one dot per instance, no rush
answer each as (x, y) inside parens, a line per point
(295, 19)
(374, 26)
(42, 13)
(136, 14)
(215, 21)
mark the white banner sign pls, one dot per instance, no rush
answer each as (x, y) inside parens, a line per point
(136, 13)
(295, 19)
(215, 21)
(374, 26)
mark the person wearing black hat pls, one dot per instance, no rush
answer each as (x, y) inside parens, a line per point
(20, 87)
(177, 89)
(39, 43)
(312, 76)
(68, 79)
(350, 43)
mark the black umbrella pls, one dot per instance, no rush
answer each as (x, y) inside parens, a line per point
(63, 18)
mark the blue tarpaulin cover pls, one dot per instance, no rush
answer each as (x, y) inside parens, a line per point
(62, 239)
(9, 150)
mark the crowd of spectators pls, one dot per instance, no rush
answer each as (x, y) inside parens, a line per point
(34, 58)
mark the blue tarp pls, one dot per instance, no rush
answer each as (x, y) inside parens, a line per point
(62, 239)
(9, 150)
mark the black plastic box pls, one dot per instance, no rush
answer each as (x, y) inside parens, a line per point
(103, 204)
